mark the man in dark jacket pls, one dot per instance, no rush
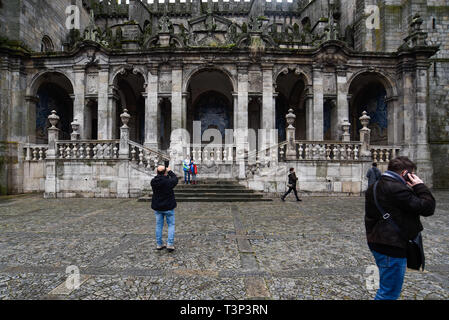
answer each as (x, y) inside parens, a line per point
(292, 179)
(164, 204)
(373, 174)
(405, 198)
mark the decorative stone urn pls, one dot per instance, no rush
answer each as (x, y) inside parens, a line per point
(75, 127)
(346, 137)
(125, 116)
(365, 134)
(54, 119)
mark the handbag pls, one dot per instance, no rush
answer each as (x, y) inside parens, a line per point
(414, 249)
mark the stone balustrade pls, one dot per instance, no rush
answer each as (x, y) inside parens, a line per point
(145, 157)
(382, 154)
(219, 154)
(35, 152)
(324, 151)
(87, 149)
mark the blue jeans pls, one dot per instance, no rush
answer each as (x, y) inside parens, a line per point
(391, 276)
(187, 176)
(170, 217)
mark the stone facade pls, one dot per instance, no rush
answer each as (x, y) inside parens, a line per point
(168, 63)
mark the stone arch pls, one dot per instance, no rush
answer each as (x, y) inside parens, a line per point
(374, 91)
(298, 71)
(49, 90)
(200, 69)
(129, 68)
(47, 44)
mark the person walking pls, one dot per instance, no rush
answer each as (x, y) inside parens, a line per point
(164, 204)
(373, 174)
(402, 198)
(292, 179)
(186, 168)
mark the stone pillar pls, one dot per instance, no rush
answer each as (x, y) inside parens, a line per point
(395, 123)
(112, 111)
(178, 114)
(79, 105)
(309, 113)
(123, 167)
(268, 105)
(104, 117)
(241, 130)
(342, 100)
(422, 150)
(50, 162)
(318, 100)
(31, 102)
(124, 135)
(365, 133)
(290, 134)
(151, 108)
(408, 111)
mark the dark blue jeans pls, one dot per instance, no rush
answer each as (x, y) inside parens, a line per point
(391, 276)
(187, 177)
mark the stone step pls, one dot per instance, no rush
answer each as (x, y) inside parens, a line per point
(211, 199)
(213, 190)
(215, 194)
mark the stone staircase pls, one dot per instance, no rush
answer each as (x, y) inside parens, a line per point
(212, 191)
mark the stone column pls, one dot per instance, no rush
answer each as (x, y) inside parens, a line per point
(104, 116)
(112, 111)
(79, 105)
(178, 114)
(50, 162)
(31, 102)
(241, 130)
(268, 105)
(309, 113)
(395, 123)
(342, 100)
(151, 108)
(408, 110)
(422, 150)
(124, 135)
(365, 133)
(318, 100)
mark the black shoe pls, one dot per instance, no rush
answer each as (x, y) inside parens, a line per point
(282, 199)
(298, 200)
(170, 248)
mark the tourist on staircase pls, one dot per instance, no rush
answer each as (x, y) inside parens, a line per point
(186, 168)
(193, 171)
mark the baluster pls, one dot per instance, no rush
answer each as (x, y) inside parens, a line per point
(335, 152)
(140, 157)
(34, 154)
(307, 152)
(41, 154)
(81, 151)
(328, 152)
(133, 154)
(67, 151)
(115, 151)
(322, 148)
(88, 149)
(381, 156)
(75, 151)
(281, 152)
(224, 154)
(349, 155)
(374, 153)
(95, 151)
(300, 151)
(356, 152)
(149, 159)
(343, 152)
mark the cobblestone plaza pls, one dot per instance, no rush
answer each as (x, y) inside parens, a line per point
(315, 249)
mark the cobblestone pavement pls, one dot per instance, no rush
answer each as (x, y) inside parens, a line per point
(315, 249)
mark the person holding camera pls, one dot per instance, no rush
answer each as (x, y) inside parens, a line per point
(393, 207)
(164, 204)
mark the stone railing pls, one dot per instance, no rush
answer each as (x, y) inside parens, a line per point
(87, 149)
(220, 153)
(35, 152)
(145, 157)
(384, 153)
(320, 150)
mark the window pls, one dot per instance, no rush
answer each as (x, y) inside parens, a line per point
(47, 44)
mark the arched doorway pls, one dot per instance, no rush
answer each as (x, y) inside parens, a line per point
(53, 91)
(130, 87)
(210, 101)
(369, 93)
(291, 95)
